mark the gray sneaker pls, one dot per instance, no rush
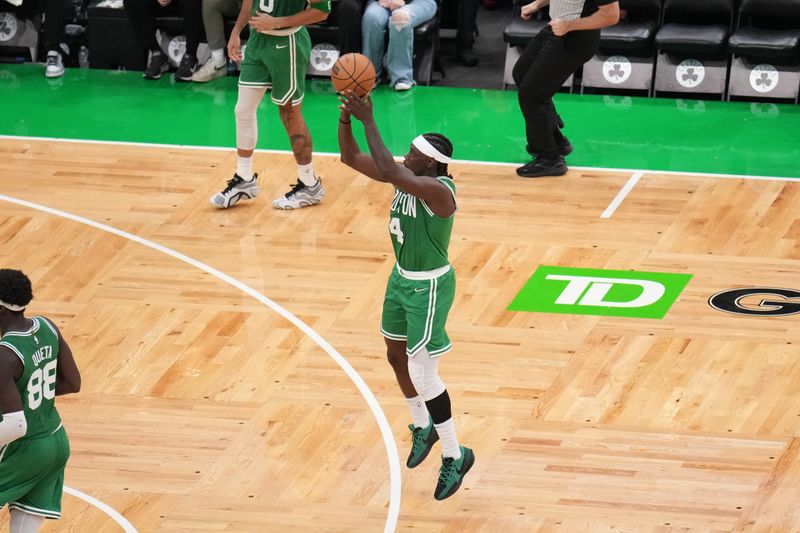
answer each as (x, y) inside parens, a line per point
(236, 189)
(301, 195)
(209, 71)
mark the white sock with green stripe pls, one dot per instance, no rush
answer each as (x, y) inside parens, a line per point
(419, 412)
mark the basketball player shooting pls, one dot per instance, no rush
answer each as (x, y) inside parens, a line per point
(422, 285)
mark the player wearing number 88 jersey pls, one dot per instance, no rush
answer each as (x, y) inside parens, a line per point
(36, 365)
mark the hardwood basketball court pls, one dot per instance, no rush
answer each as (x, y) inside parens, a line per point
(203, 409)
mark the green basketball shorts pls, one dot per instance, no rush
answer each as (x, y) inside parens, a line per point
(416, 311)
(32, 474)
(279, 62)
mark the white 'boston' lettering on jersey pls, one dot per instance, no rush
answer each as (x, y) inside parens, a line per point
(404, 203)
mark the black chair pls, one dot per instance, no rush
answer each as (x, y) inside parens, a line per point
(692, 46)
(517, 34)
(426, 49)
(766, 50)
(626, 57)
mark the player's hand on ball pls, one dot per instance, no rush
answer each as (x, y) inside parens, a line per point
(360, 108)
(263, 22)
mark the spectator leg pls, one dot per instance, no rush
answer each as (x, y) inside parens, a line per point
(399, 57)
(141, 13)
(192, 24)
(373, 28)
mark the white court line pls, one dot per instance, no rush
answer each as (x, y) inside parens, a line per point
(127, 527)
(380, 417)
(622, 194)
(461, 161)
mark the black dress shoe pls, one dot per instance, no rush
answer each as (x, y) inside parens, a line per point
(564, 148)
(540, 167)
(467, 57)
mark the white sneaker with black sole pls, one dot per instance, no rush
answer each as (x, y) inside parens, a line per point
(236, 189)
(301, 195)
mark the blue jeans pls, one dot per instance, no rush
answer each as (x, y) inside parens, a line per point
(374, 26)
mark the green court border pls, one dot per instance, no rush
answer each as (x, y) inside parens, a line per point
(614, 132)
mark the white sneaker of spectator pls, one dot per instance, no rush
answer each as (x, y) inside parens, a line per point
(209, 71)
(54, 65)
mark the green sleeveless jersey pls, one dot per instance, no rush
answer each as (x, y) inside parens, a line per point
(37, 348)
(419, 238)
(287, 8)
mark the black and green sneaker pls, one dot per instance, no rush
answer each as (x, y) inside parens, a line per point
(422, 440)
(452, 472)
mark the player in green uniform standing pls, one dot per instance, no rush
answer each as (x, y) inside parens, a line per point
(276, 57)
(36, 365)
(422, 285)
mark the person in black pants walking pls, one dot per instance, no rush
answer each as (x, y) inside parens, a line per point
(569, 41)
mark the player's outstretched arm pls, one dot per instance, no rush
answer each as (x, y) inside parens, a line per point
(13, 425)
(68, 377)
(361, 109)
(436, 194)
(351, 154)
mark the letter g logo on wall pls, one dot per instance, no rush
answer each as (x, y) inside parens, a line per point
(757, 301)
(584, 291)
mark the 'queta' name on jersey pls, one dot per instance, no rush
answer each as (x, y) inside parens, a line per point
(43, 353)
(404, 203)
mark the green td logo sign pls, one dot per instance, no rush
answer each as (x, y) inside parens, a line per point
(585, 291)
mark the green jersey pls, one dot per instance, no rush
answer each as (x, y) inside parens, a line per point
(419, 237)
(37, 348)
(287, 8)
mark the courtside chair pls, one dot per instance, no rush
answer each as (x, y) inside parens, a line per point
(692, 46)
(766, 50)
(626, 58)
(19, 37)
(517, 34)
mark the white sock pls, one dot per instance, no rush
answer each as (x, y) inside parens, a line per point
(219, 57)
(306, 173)
(447, 436)
(244, 167)
(419, 413)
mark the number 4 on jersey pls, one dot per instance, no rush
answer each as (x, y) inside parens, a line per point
(394, 229)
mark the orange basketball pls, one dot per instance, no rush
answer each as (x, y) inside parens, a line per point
(354, 72)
